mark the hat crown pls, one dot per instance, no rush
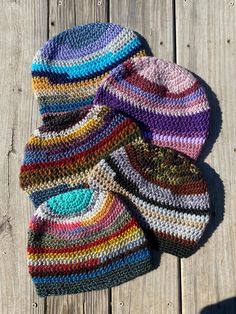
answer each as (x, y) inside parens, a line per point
(161, 164)
(71, 202)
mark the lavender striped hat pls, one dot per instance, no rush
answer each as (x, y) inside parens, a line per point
(68, 69)
(166, 98)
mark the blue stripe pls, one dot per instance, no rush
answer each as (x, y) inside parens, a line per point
(133, 258)
(95, 65)
(44, 108)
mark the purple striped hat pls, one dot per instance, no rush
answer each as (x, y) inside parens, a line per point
(166, 98)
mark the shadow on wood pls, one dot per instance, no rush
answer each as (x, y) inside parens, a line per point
(227, 306)
(215, 184)
(145, 44)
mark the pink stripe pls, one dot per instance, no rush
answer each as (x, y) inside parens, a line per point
(114, 208)
(191, 150)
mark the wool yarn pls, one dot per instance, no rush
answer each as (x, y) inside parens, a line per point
(59, 155)
(68, 69)
(166, 98)
(85, 240)
(168, 191)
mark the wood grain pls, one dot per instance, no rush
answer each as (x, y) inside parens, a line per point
(158, 291)
(23, 28)
(63, 15)
(206, 45)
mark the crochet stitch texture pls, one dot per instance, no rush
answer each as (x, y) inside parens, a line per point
(69, 68)
(166, 98)
(59, 156)
(85, 240)
(169, 193)
(110, 169)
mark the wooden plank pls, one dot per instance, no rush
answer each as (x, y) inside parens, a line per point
(23, 29)
(68, 13)
(206, 45)
(65, 14)
(158, 291)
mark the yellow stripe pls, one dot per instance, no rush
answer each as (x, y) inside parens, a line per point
(42, 83)
(132, 234)
(87, 127)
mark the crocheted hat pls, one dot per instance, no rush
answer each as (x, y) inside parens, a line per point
(169, 192)
(59, 155)
(166, 98)
(68, 69)
(85, 240)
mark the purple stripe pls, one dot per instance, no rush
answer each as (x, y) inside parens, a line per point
(179, 125)
(59, 50)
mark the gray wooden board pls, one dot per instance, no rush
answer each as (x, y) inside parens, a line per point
(23, 26)
(206, 45)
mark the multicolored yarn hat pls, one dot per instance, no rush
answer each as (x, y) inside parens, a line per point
(165, 97)
(85, 240)
(69, 68)
(169, 193)
(59, 155)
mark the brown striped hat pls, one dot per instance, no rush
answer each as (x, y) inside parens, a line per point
(59, 155)
(167, 190)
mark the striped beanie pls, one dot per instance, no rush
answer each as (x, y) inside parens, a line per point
(85, 240)
(168, 191)
(59, 155)
(69, 68)
(166, 98)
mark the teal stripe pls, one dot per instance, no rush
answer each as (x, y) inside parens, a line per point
(92, 66)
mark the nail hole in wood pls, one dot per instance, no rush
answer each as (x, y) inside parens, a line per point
(188, 45)
(52, 23)
(161, 43)
(60, 2)
(34, 304)
(99, 3)
(121, 303)
(231, 3)
(228, 41)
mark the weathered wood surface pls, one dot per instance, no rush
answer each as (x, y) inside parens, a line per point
(206, 45)
(199, 35)
(23, 27)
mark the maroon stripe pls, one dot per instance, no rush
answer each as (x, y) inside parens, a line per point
(42, 250)
(151, 87)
